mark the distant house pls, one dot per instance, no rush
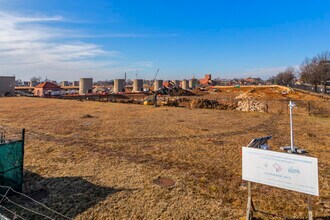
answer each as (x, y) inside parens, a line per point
(207, 80)
(252, 81)
(47, 89)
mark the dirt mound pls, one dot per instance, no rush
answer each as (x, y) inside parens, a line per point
(176, 91)
(210, 104)
(180, 92)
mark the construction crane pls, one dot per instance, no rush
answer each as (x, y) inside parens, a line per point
(156, 74)
(152, 99)
(153, 83)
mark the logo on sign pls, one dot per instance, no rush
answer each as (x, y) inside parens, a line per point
(277, 167)
(294, 170)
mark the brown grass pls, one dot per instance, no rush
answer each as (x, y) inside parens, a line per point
(262, 93)
(104, 166)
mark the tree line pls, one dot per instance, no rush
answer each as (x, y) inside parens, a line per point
(314, 71)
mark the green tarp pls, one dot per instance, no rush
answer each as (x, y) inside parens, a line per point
(11, 165)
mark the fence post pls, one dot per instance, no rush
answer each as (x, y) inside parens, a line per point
(309, 107)
(23, 146)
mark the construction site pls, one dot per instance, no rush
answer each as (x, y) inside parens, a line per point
(164, 110)
(178, 156)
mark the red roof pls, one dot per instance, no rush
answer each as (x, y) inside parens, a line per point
(47, 85)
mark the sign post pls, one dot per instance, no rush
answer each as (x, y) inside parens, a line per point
(250, 207)
(287, 171)
(261, 143)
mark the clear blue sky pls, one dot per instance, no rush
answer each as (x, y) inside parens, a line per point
(66, 39)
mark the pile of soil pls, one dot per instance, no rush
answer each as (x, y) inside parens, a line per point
(181, 92)
(211, 104)
(176, 91)
(204, 103)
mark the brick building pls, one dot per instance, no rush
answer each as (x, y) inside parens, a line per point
(47, 89)
(207, 80)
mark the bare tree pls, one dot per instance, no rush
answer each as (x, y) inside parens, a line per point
(286, 77)
(316, 70)
(37, 79)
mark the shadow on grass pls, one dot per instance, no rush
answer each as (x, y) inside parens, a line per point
(69, 196)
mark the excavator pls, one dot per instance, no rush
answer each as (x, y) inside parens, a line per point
(152, 99)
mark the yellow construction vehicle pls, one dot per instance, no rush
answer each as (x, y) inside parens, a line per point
(151, 100)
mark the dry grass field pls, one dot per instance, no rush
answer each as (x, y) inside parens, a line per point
(104, 166)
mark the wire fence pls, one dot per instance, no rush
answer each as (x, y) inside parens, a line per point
(13, 203)
(302, 107)
(316, 108)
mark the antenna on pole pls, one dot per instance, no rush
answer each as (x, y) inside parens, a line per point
(292, 148)
(291, 105)
(136, 74)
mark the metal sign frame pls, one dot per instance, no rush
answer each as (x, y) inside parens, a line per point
(259, 143)
(250, 208)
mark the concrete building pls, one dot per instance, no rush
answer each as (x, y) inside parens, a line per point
(85, 86)
(184, 84)
(119, 85)
(192, 83)
(33, 83)
(7, 86)
(47, 89)
(64, 83)
(75, 83)
(138, 85)
(158, 84)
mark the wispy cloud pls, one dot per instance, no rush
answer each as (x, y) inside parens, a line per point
(24, 40)
(29, 45)
(123, 35)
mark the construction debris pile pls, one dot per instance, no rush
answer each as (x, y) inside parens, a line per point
(168, 102)
(251, 105)
(130, 101)
(175, 91)
(210, 104)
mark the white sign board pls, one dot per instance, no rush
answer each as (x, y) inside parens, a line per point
(283, 170)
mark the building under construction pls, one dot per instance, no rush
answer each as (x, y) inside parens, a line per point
(7, 86)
